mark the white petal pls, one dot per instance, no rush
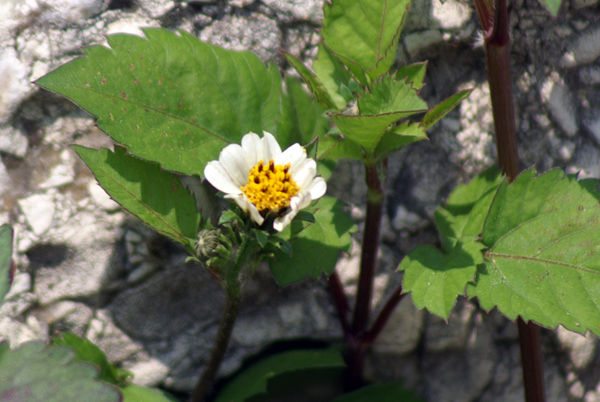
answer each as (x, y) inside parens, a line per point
(252, 147)
(295, 156)
(305, 176)
(280, 223)
(317, 188)
(233, 160)
(271, 148)
(245, 204)
(220, 179)
(300, 201)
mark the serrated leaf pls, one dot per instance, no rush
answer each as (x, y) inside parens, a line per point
(552, 5)
(435, 279)
(335, 147)
(304, 119)
(443, 108)
(254, 381)
(153, 195)
(543, 239)
(388, 95)
(86, 351)
(316, 248)
(331, 72)
(137, 393)
(380, 393)
(35, 372)
(171, 98)
(467, 207)
(401, 136)
(413, 73)
(6, 265)
(364, 33)
(316, 87)
(366, 130)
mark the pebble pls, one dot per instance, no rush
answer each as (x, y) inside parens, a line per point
(585, 49)
(39, 212)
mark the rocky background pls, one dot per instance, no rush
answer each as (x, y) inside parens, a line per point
(86, 266)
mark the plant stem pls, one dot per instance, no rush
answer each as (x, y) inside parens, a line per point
(384, 316)
(340, 301)
(497, 44)
(243, 257)
(370, 245)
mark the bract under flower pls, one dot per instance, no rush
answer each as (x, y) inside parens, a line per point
(262, 179)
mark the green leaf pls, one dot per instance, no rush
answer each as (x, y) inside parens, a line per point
(443, 108)
(153, 195)
(435, 279)
(86, 351)
(335, 147)
(552, 5)
(6, 264)
(254, 381)
(304, 119)
(388, 95)
(171, 98)
(316, 248)
(401, 136)
(414, 74)
(366, 131)
(467, 207)
(331, 72)
(364, 33)
(380, 393)
(543, 239)
(35, 372)
(137, 393)
(316, 87)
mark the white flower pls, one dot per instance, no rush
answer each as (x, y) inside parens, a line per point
(261, 179)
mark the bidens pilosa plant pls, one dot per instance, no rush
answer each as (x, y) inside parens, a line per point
(178, 108)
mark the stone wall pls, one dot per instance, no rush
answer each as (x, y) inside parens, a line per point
(86, 266)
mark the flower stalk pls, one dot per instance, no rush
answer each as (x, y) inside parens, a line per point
(497, 45)
(244, 258)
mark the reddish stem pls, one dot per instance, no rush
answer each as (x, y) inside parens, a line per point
(340, 301)
(384, 316)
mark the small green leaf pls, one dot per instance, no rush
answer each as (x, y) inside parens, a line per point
(304, 119)
(443, 108)
(35, 372)
(254, 381)
(364, 33)
(6, 264)
(552, 5)
(153, 195)
(467, 207)
(86, 351)
(334, 148)
(543, 239)
(261, 236)
(305, 216)
(414, 74)
(366, 130)
(401, 136)
(380, 393)
(316, 87)
(137, 393)
(170, 98)
(316, 248)
(335, 78)
(435, 279)
(388, 95)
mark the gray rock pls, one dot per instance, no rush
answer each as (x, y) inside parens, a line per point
(13, 141)
(150, 373)
(156, 8)
(255, 33)
(418, 41)
(39, 212)
(578, 4)
(581, 348)
(14, 85)
(5, 181)
(101, 198)
(63, 173)
(67, 316)
(21, 283)
(559, 101)
(403, 332)
(590, 75)
(296, 10)
(585, 49)
(113, 341)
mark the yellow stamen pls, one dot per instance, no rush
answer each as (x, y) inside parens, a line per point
(270, 187)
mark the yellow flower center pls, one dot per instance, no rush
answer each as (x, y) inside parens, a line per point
(270, 187)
